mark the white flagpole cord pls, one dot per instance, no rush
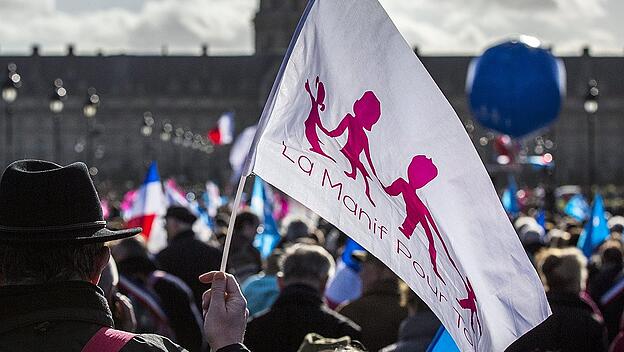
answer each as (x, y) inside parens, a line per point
(235, 206)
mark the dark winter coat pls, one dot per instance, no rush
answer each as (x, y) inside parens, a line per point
(61, 317)
(298, 310)
(572, 327)
(187, 257)
(378, 313)
(416, 333)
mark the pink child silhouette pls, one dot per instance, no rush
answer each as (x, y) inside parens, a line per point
(314, 118)
(420, 172)
(367, 111)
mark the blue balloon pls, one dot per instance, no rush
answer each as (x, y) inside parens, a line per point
(516, 87)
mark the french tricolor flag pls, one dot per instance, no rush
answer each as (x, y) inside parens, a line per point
(223, 133)
(148, 209)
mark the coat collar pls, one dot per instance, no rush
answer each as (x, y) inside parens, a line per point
(299, 295)
(23, 305)
(184, 235)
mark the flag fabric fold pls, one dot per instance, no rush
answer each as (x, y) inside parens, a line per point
(356, 130)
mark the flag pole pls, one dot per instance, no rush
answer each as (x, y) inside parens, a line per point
(235, 206)
(264, 118)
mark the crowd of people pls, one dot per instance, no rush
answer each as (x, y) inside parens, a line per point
(313, 292)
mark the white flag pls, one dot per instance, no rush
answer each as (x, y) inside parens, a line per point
(356, 130)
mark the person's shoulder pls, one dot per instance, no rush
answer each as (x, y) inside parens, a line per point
(164, 254)
(341, 320)
(151, 343)
(348, 307)
(210, 249)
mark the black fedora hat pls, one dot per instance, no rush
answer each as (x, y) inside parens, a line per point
(41, 201)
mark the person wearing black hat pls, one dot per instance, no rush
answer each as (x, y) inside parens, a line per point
(186, 256)
(52, 254)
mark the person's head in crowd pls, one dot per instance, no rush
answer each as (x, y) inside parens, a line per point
(132, 257)
(53, 228)
(558, 238)
(574, 229)
(530, 233)
(562, 270)
(245, 229)
(295, 228)
(616, 224)
(220, 228)
(325, 226)
(373, 271)
(306, 264)
(272, 264)
(335, 242)
(317, 237)
(178, 220)
(225, 211)
(611, 253)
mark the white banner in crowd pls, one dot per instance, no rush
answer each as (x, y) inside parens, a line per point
(356, 130)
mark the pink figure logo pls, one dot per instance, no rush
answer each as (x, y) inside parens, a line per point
(367, 111)
(314, 118)
(470, 303)
(420, 172)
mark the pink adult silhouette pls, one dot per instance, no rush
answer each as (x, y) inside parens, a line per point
(367, 111)
(314, 118)
(419, 172)
(470, 303)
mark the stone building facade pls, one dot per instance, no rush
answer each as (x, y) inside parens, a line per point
(192, 91)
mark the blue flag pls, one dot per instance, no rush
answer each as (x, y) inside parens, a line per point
(442, 342)
(510, 199)
(577, 208)
(351, 246)
(204, 213)
(540, 217)
(596, 230)
(262, 205)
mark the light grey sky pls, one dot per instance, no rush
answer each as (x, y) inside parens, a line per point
(436, 26)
